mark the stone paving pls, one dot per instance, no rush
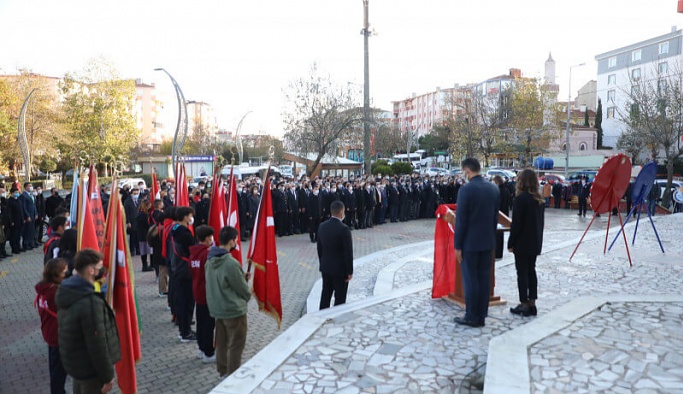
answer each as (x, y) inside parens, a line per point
(168, 366)
(410, 344)
(621, 348)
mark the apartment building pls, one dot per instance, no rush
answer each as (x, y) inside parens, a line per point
(650, 60)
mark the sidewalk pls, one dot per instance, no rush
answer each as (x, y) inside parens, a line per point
(403, 341)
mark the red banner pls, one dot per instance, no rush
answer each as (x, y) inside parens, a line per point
(87, 233)
(95, 202)
(121, 296)
(182, 198)
(263, 253)
(218, 212)
(234, 217)
(444, 254)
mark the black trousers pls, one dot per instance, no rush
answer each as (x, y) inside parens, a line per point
(205, 326)
(172, 290)
(134, 244)
(583, 204)
(313, 228)
(333, 284)
(527, 282)
(557, 200)
(57, 372)
(184, 305)
(393, 213)
(28, 235)
(15, 238)
(281, 223)
(476, 280)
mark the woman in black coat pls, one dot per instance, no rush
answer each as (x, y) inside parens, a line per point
(504, 208)
(526, 239)
(143, 222)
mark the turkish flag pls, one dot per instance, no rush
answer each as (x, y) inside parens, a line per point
(95, 202)
(182, 198)
(154, 189)
(234, 216)
(87, 234)
(263, 253)
(218, 212)
(444, 254)
(121, 296)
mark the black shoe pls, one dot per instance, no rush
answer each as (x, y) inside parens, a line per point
(534, 311)
(189, 337)
(464, 322)
(521, 309)
(578, 214)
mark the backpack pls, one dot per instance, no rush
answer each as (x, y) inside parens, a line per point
(47, 244)
(152, 234)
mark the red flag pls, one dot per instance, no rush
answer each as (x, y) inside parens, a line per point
(95, 202)
(263, 253)
(218, 211)
(444, 254)
(154, 190)
(87, 234)
(182, 199)
(234, 217)
(121, 296)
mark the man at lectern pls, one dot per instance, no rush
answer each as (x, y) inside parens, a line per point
(475, 238)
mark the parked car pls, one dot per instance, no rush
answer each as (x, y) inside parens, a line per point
(662, 186)
(132, 182)
(576, 176)
(436, 171)
(195, 181)
(552, 178)
(499, 171)
(455, 172)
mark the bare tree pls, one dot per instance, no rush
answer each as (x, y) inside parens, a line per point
(319, 115)
(654, 114)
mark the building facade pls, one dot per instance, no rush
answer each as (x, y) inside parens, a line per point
(420, 113)
(650, 60)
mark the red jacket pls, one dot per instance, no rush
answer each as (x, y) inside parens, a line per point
(198, 254)
(47, 310)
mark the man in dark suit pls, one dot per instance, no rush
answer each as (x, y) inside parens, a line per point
(335, 252)
(475, 238)
(314, 212)
(584, 190)
(29, 216)
(131, 207)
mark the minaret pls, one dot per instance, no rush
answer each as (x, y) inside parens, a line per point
(550, 70)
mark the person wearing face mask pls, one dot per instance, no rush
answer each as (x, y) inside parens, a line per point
(360, 205)
(314, 211)
(293, 210)
(131, 206)
(227, 295)
(349, 201)
(53, 274)
(335, 253)
(106, 193)
(29, 217)
(4, 222)
(584, 190)
(40, 208)
(181, 241)
(87, 333)
(252, 208)
(16, 220)
(52, 203)
(280, 210)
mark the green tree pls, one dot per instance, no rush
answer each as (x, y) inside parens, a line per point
(8, 136)
(586, 120)
(529, 110)
(598, 123)
(320, 115)
(401, 168)
(98, 111)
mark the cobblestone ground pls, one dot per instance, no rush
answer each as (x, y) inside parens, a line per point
(410, 344)
(168, 366)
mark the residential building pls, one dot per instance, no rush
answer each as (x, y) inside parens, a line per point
(147, 109)
(652, 59)
(420, 113)
(201, 114)
(587, 98)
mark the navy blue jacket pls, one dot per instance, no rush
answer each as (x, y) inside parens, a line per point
(476, 216)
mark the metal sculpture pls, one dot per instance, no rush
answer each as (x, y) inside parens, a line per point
(21, 136)
(181, 126)
(238, 138)
(608, 187)
(641, 189)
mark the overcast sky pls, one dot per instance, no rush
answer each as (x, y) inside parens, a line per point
(239, 55)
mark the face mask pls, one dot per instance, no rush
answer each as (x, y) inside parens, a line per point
(107, 192)
(34, 194)
(16, 195)
(3, 195)
(350, 189)
(256, 192)
(239, 190)
(334, 190)
(135, 196)
(315, 192)
(201, 187)
(100, 274)
(191, 220)
(30, 188)
(39, 191)
(292, 189)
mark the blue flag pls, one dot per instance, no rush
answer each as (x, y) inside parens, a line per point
(73, 208)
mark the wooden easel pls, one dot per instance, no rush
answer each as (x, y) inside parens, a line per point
(458, 296)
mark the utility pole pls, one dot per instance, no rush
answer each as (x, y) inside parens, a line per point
(366, 89)
(569, 119)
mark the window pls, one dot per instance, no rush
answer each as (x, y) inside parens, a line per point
(661, 86)
(635, 55)
(612, 79)
(663, 67)
(635, 90)
(583, 146)
(635, 74)
(610, 112)
(663, 48)
(610, 95)
(612, 62)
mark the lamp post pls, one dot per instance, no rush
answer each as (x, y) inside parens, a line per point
(569, 99)
(181, 126)
(366, 88)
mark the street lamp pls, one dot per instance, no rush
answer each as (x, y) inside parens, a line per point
(366, 88)
(569, 99)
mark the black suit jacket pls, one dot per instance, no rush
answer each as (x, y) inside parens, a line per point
(477, 216)
(335, 248)
(526, 232)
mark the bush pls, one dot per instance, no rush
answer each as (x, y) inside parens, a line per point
(373, 167)
(401, 168)
(383, 169)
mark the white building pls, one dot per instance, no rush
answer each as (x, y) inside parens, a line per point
(420, 113)
(651, 59)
